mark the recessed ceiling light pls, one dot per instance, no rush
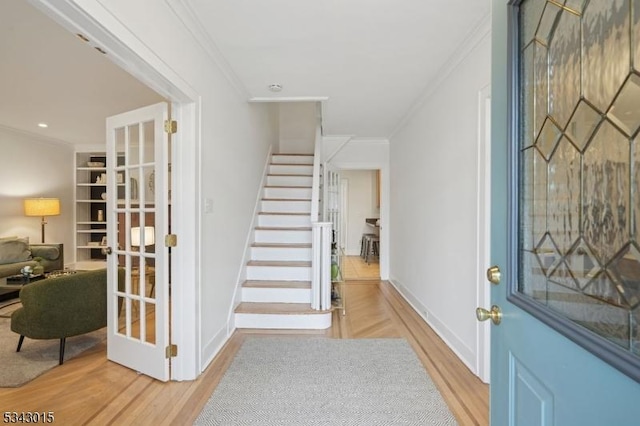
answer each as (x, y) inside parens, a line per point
(43, 125)
(275, 87)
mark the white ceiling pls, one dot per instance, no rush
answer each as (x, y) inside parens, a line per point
(50, 75)
(373, 59)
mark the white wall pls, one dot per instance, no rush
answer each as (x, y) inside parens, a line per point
(229, 148)
(31, 166)
(297, 127)
(362, 204)
(434, 174)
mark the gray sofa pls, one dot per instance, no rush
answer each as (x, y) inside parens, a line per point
(16, 253)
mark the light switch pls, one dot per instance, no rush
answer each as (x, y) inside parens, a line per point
(208, 205)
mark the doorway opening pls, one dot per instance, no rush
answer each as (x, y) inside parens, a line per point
(180, 313)
(360, 231)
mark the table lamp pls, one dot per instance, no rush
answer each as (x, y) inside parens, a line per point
(42, 207)
(149, 236)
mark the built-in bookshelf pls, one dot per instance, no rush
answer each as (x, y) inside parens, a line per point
(91, 206)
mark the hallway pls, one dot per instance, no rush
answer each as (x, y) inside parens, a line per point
(89, 389)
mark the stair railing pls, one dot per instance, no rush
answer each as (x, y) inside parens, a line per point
(321, 234)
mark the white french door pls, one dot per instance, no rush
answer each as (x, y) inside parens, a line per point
(138, 208)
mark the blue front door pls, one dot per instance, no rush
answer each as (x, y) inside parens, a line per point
(565, 351)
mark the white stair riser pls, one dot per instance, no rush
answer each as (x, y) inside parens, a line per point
(278, 273)
(268, 236)
(279, 321)
(286, 206)
(287, 192)
(284, 220)
(292, 159)
(276, 295)
(278, 253)
(290, 180)
(281, 169)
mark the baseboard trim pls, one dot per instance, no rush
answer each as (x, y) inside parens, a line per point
(213, 346)
(462, 351)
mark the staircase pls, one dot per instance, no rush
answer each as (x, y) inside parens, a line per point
(277, 292)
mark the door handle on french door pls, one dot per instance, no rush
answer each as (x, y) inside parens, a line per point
(106, 250)
(493, 274)
(495, 314)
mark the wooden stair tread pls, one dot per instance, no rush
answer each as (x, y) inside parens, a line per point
(277, 308)
(291, 164)
(282, 245)
(286, 213)
(277, 284)
(287, 187)
(279, 263)
(294, 154)
(287, 174)
(286, 199)
(283, 228)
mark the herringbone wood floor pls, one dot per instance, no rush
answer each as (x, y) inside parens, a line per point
(91, 390)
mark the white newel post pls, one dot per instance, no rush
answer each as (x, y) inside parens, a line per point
(321, 266)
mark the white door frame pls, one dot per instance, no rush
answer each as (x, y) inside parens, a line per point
(384, 207)
(128, 52)
(483, 240)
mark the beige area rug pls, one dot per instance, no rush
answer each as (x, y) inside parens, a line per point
(36, 356)
(291, 381)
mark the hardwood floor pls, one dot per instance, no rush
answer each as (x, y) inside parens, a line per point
(91, 390)
(355, 268)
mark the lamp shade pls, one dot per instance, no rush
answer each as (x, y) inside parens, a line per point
(149, 236)
(41, 206)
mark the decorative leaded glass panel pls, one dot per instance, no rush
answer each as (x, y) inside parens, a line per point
(635, 331)
(530, 19)
(575, 5)
(636, 35)
(605, 198)
(635, 190)
(605, 26)
(529, 132)
(563, 211)
(579, 165)
(582, 125)
(547, 23)
(541, 84)
(624, 111)
(564, 68)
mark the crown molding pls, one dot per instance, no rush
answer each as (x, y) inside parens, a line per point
(37, 137)
(481, 31)
(290, 99)
(194, 26)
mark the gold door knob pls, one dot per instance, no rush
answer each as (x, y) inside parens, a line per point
(495, 314)
(493, 274)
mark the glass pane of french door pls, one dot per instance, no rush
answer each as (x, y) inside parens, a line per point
(136, 231)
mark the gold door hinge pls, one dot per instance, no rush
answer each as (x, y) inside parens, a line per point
(171, 351)
(170, 240)
(170, 126)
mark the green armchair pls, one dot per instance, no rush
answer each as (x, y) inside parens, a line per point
(57, 308)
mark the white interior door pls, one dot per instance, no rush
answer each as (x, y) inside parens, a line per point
(138, 208)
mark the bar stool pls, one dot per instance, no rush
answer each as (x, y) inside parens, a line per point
(373, 250)
(364, 245)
